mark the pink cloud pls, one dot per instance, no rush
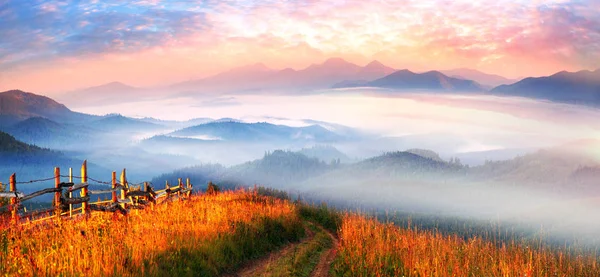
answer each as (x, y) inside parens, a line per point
(514, 38)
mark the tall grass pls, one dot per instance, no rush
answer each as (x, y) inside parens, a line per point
(371, 248)
(206, 235)
(328, 217)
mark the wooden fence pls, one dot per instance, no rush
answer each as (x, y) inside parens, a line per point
(130, 196)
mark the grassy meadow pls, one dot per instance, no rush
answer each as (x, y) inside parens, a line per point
(372, 248)
(205, 236)
(225, 233)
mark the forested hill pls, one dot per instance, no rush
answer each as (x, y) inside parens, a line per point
(8, 144)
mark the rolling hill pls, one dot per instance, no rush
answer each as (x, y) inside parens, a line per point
(32, 162)
(119, 123)
(277, 169)
(9, 144)
(582, 87)
(325, 153)
(256, 132)
(47, 133)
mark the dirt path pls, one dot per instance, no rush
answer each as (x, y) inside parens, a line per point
(322, 268)
(264, 266)
(260, 266)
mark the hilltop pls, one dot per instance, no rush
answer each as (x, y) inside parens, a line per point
(17, 105)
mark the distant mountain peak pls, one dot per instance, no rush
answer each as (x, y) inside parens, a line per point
(18, 102)
(288, 70)
(374, 63)
(19, 94)
(252, 68)
(432, 80)
(378, 68)
(434, 72)
(490, 80)
(14, 92)
(111, 86)
(335, 61)
(403, 72)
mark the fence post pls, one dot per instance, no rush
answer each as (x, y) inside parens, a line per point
(13, 201)
(84, 190)
(167, 187)
(57, 194)
(114, 187)
(180, 183)
(70, 192)
(189, 186)
(123, 186)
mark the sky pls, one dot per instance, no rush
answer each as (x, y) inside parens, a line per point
(57, 46)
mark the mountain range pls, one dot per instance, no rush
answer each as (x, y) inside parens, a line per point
(554, 169)
(108, 93)
(488, 80)
(258, 77)
(428, 81)
(566, 87)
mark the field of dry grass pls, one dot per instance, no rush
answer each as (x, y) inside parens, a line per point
(371, 248)
(206, 235)
(212, 235)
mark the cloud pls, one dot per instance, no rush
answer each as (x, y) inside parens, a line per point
(218, 102)
(55, 29)
(513, 38)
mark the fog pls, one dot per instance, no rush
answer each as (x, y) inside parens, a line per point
(538, 193)
(448, 124)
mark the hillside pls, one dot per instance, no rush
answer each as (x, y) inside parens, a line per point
(277, 169)
(405, 162)
(47, 133)
(325, 153)
(16, 105)
(119, 123)
(8, 144)
(554, 169)
(32, 162)
(256, 132)
(582, 87)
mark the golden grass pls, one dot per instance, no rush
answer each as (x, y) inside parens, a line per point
(370, 248)
(107, 244)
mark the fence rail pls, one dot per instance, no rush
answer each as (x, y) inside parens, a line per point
(63, 206)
